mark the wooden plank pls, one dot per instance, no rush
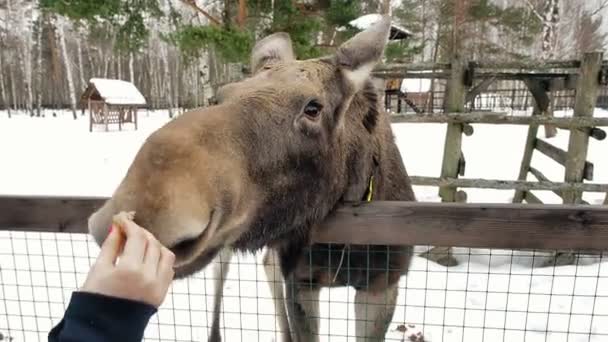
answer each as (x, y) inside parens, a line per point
(478, 89)
(553, 152)
(542, 178)
(454, 102)
(531, 198)
(577, 167)
(406, 74)
(541, 102)
(506, 184)
(412, 67)
(519, 75)
(527, 65)
(514, 75)
(55, 214)
(561, 157)
(512, 226)
(520, 66)
(500, 119)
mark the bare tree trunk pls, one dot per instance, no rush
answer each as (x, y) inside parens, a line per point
(83, 83)
(26, 61)
(242, 16)
(3, 89)
(106, 64)
(118, 68)
(39, 68)
(92, 72)
(550, 21)
(167, 78)
(11, 75)
(175, 79)
(131, 73)
(67, 65)
(56, 67)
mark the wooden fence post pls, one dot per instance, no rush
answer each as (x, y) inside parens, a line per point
(453, 158)
(584, 105)
(454, 103)
(541, 104)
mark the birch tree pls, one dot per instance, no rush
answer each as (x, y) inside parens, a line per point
(2, 88)
(24, 13)
(59, 24)
(41, 22)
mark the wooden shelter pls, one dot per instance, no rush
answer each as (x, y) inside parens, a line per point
(112, 101)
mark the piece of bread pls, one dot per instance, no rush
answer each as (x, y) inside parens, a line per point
(123, 218)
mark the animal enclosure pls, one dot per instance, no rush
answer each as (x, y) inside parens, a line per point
(506, 284)
(496, 294)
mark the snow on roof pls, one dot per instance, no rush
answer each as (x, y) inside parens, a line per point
(117, 92)
(365, 21)
(416, 85)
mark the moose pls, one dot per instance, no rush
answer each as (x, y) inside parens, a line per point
(264, 166)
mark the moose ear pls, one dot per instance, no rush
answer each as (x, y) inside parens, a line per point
(360, 54)
(273, 48)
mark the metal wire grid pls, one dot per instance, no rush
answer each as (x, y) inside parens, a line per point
(514, 96)
(492, 295)
(425, 101)
(503, 96)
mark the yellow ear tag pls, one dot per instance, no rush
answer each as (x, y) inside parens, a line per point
(370, 190)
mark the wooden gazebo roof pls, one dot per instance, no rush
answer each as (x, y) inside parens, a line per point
(113, 92)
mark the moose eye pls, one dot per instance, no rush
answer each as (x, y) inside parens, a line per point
(313, 109)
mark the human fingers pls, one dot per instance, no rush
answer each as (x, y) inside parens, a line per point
(110, 249)
(165, 265)
(152, 256)
(136, 243)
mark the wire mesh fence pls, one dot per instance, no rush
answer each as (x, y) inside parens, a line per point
(491, 295)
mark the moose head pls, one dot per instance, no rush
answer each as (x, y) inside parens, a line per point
(271, 159)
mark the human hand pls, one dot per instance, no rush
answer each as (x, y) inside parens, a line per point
(143, 273)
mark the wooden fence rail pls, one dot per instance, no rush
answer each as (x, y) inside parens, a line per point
(500, 119)
(509, 226)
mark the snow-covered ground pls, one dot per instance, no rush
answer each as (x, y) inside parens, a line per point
(493, 295)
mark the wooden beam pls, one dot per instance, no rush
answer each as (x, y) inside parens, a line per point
(412, 67)
(561, 157)
(56, 214)
(478, 89)
(514, 75)
(529, 65)
(541, 177)
(454, 103)
(520, 75)
(506, 184)
(541, 103)
(513, 226)
(531, 198)
(499, 119)
(409, 74)
(519, 66)
(577, 168)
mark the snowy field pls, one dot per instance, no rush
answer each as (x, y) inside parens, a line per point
(493, 295)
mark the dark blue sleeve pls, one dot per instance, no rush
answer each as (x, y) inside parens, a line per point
(93, 317)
